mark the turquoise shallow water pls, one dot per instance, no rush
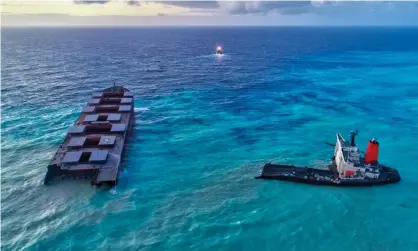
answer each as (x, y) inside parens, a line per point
(205, 125)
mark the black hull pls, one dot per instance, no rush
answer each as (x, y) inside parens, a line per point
(55, 172)
(129, 136)
(314, 176)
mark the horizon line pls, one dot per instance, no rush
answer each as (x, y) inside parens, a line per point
(210, 26)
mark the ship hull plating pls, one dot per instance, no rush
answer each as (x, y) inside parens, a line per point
(95, 146)
(324, 177)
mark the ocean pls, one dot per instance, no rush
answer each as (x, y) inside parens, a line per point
(204, 127)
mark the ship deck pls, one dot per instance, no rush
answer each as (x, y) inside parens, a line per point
(324, 176)
(94, 146)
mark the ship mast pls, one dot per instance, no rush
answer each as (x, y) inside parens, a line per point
(353, 134)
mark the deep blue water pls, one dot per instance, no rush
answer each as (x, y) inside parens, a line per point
(205, 125)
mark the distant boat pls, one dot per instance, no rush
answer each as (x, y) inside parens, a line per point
(219, 50)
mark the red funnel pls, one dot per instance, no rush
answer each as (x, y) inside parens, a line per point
(372, 152)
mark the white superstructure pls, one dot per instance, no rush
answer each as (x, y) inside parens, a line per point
(349, 163)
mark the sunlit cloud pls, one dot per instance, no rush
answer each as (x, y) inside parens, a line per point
(124, 12)
(95, 8)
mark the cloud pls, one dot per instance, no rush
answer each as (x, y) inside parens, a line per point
(246, 7)
(203, 4)
(133, 2)
(88, 8)
(238, 12)
(193, 4)
(91, 1)
(128, 2)
(333, 8)
(326, 7)
(263, 7)
(197, 8)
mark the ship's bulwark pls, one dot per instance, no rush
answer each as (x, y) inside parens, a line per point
(94, 146)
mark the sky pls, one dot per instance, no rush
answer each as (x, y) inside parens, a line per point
(207, 13)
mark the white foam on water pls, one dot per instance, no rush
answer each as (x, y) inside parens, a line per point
(218, 56)
(141, 109)
(113, 191)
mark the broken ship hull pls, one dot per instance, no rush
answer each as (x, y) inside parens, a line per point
(95, 147)
(323, 176)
